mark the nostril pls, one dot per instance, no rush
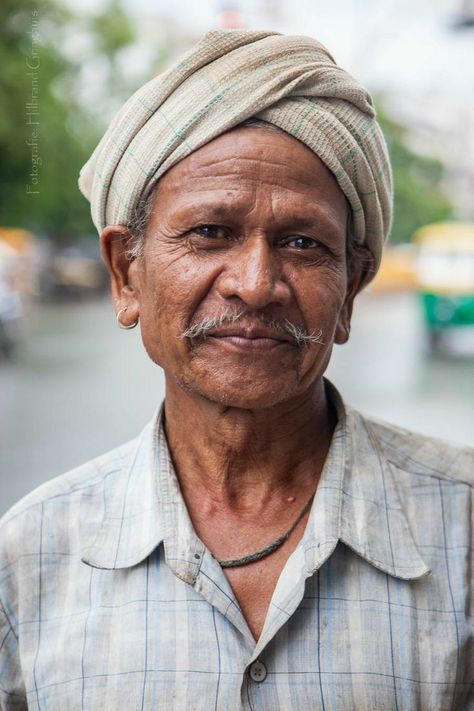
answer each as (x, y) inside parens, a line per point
(254, 276)
(256, 290)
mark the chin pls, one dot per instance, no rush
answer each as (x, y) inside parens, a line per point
(247, 395)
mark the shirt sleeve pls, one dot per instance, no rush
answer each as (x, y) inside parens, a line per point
(12, 689)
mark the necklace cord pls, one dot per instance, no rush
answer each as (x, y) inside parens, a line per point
(252, 557)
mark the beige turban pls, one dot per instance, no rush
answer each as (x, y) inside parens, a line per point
(227, 77)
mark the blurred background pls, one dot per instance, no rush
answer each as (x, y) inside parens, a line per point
(73, 385)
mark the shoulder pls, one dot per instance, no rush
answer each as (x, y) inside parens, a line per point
(71, 501)
(421, 456)
(428, 481)
(45, 535)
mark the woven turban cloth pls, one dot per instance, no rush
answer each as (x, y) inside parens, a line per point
(227, 77)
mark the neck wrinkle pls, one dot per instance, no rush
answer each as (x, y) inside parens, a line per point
(242, 459)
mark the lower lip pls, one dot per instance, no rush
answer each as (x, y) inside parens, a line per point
(254, 345)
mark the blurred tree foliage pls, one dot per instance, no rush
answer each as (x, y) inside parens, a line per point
(418, 184)
(31, 35)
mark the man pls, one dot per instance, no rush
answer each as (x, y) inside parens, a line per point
(260, 545)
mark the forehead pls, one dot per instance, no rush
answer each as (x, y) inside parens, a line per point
(248, 160)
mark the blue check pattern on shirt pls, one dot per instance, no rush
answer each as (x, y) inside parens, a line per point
(110, 601)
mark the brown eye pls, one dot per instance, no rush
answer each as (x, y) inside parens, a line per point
(210, 231)
(301, 243)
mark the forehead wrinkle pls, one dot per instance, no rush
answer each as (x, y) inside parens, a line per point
(245, 182)
(252, 170)
(305, 216)
(248, 187)
(260, 151)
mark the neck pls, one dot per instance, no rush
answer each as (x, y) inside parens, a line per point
(241, 459)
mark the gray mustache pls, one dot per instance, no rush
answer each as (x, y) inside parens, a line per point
(298, 334)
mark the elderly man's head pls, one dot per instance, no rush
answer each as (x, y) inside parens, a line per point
(241, 282)
(240, 243)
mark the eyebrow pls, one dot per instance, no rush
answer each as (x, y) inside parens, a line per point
(211, 212)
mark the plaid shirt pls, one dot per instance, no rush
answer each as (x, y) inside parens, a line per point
(109, 600)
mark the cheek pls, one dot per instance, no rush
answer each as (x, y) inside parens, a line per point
(321, 297)
(321, 302)
(161, 319)
(170, 290)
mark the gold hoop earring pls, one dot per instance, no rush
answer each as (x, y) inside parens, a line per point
(120, 324)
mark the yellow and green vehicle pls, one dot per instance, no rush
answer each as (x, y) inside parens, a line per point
(445, 277)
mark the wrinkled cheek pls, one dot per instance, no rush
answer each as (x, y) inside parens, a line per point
(313, 362)
(160, 331)
(324, 318)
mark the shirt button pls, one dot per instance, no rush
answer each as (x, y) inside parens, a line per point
(258, 671)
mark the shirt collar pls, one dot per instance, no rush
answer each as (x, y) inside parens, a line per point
(131, 527)
(356, 503)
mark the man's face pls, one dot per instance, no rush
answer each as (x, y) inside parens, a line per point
(251, 228)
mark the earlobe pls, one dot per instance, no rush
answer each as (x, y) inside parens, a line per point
(360, 267)
(343, 330)
(343, 327)
(113, 245)
(118, 315)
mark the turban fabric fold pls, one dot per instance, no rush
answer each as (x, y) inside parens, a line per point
(227, 77)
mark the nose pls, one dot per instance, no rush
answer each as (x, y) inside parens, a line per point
(254, 275)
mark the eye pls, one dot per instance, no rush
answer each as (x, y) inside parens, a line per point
(300, 242)
(210, 231)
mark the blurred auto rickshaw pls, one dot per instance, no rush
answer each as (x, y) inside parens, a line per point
(445, 277)
(397, 271)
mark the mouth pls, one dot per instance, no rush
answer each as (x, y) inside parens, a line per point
(257, 339)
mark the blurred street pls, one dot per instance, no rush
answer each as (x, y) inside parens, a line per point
(80, 386)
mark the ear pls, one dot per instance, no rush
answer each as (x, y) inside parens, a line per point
(362, 264)
(122, 271)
